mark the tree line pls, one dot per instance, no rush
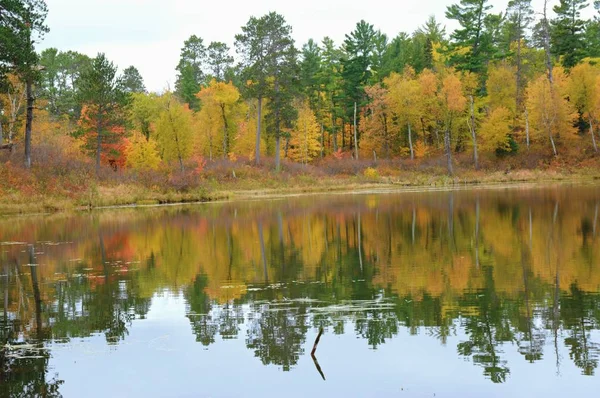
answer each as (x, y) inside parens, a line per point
(501, 83)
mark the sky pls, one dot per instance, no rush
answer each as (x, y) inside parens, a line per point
(149, 34)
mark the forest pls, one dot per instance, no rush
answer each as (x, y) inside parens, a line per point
(507, 91)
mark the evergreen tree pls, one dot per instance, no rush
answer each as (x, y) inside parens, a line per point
(476, 42)
(519, 17)
(567, 33)
(133, 81)
(270, 67)
(103, 94)
(190, 72)
(219, 61)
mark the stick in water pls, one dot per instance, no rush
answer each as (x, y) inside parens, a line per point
(316, 342)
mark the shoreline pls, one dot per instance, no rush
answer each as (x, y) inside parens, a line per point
(107, 198)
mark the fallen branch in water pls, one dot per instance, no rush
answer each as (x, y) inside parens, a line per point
(316, 342)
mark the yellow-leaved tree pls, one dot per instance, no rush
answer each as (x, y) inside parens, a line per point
(305, 138)
(218, 118)
(244, 140)
(583, 90)
(144, 111)
(175, 131)
(403, 97)
(142, 153)
(502, 88)
(495, 130)
(502, 109)
(430, 106)
(551, 114)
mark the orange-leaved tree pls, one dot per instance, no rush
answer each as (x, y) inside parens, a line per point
(378, 131)
(110, 147)
(452, 104)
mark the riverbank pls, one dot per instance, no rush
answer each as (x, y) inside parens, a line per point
(108, 193)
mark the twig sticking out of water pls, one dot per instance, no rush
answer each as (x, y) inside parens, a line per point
(316, 342)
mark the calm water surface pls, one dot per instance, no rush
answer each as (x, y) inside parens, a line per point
(489, 292)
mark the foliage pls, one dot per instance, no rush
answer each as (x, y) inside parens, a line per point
(495, 130)
(305, 141)
(552, 116)
(142, 153)
(175, 132)
(102, 94)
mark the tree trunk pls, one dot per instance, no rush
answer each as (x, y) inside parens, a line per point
(98, 141)
(225, 135)
(334, 133)
(355, 133)
(473, 133)
(410, 143)
(448, 150)
(181, 163)
(527, 127)
(547, 44)
(593, 137)
(322, 140)
(553, 144)
(28, 123)
(519, 72)
(258, 120)
(277, 153)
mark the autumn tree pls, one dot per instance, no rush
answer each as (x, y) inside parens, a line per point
(379, 133)
(102, 93)
(495, 130)
(142, 153)
(174, 131)
(144, 110)
(219, 102)
(502, 87)
(431, 115)
(452, 102)
(551, 114)
(582, 89)
(305, 142)
(405, 101)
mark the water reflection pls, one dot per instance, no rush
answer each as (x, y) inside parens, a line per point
(494, 268)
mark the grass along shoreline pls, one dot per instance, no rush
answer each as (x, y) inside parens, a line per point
(109, 195)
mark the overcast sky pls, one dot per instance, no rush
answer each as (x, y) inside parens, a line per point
(150, 33)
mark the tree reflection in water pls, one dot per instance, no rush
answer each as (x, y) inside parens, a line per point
(491, 269)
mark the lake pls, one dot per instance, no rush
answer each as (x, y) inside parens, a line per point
(470, 293)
